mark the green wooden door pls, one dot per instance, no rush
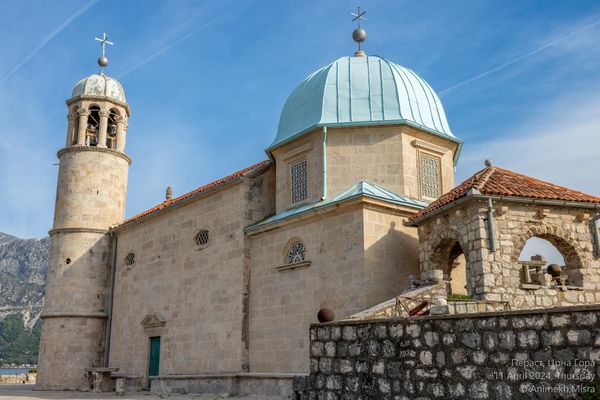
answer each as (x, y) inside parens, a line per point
(154, 359)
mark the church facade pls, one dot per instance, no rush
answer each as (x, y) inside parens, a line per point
(226, 279)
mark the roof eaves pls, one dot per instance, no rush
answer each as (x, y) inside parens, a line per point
(200, 192)
(324, 205)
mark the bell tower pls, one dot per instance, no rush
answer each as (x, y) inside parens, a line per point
(90, 198)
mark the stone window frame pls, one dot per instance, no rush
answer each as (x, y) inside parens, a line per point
(285, 255)
(197, 232)
(290, 194)
(420, 155)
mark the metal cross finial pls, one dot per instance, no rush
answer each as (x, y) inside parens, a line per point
(358, 16)
(359, 35)
(103, 60)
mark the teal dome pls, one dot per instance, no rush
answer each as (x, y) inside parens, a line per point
(362, 91)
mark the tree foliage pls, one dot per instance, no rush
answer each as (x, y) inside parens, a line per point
(18, 344)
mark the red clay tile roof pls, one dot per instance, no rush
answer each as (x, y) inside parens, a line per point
(495, 181)
(211, 185)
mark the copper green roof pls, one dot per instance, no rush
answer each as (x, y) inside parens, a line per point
(360, 189)
(362, 91)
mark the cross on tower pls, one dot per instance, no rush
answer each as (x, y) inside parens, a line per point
(358, 16)
(359, 35)
(103, 60)
(104, 42)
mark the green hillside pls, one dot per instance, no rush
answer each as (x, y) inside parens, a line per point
(17, 344)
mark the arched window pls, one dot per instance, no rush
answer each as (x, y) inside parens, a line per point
(555, 259)
(93, 127)
(296, 253)
(74, 126)
(111, 133)
(545, 258)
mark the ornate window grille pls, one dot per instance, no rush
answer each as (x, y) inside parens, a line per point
(202, 237)
(430, 176)
(130, 259)
(298, 182)
(296, 253)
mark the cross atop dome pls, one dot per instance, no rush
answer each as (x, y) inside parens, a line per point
(359, 35)
(103, 60)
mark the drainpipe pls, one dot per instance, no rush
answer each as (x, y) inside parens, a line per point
(113, 265)
(490, 224)
(595, 233)
(324, 163)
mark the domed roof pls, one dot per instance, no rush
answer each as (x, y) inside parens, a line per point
(362, 91)
(99, 85)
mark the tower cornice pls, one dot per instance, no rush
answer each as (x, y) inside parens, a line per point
(75, 99)
(78, 148)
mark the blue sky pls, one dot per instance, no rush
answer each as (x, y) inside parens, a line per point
(206, 81)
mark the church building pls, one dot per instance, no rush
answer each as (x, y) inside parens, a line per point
(225, 280)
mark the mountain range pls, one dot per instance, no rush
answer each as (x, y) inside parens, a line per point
(23, 271)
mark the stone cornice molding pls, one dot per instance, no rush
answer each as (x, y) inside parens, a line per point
(98, 149)
(428, 146)
(100, 98)
(77, 230)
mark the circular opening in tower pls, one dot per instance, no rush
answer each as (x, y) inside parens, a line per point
(68, 261)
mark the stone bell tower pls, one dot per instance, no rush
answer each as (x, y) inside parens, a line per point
(90, 198)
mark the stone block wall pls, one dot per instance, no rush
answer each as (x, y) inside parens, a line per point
(510, 355)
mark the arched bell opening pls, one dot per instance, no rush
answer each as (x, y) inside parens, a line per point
(93, 127)
(111, 132)
(73, 126)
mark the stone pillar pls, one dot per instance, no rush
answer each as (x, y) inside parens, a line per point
(103, 128)
(83, 117)
(70, 129)
(121, 133)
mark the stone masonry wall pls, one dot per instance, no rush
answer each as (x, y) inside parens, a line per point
(497, 275)
(510, 355)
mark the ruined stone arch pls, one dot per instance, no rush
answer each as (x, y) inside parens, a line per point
(447, 248)
(569, 248)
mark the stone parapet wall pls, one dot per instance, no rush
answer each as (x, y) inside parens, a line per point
(480, 356)
(227, 384)
(17, 379)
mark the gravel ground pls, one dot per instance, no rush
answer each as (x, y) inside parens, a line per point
(26, 392)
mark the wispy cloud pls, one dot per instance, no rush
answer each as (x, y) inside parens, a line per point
(558, 142)
(44, 42)
(518, 59)
(166, 48)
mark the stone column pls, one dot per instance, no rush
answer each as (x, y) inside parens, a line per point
(103, 127)
(121, 126)
(70, 129)
(83, 117)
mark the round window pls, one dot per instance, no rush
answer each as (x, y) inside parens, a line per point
(130, 259)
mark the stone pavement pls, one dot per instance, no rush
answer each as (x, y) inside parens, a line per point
(26, 392)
